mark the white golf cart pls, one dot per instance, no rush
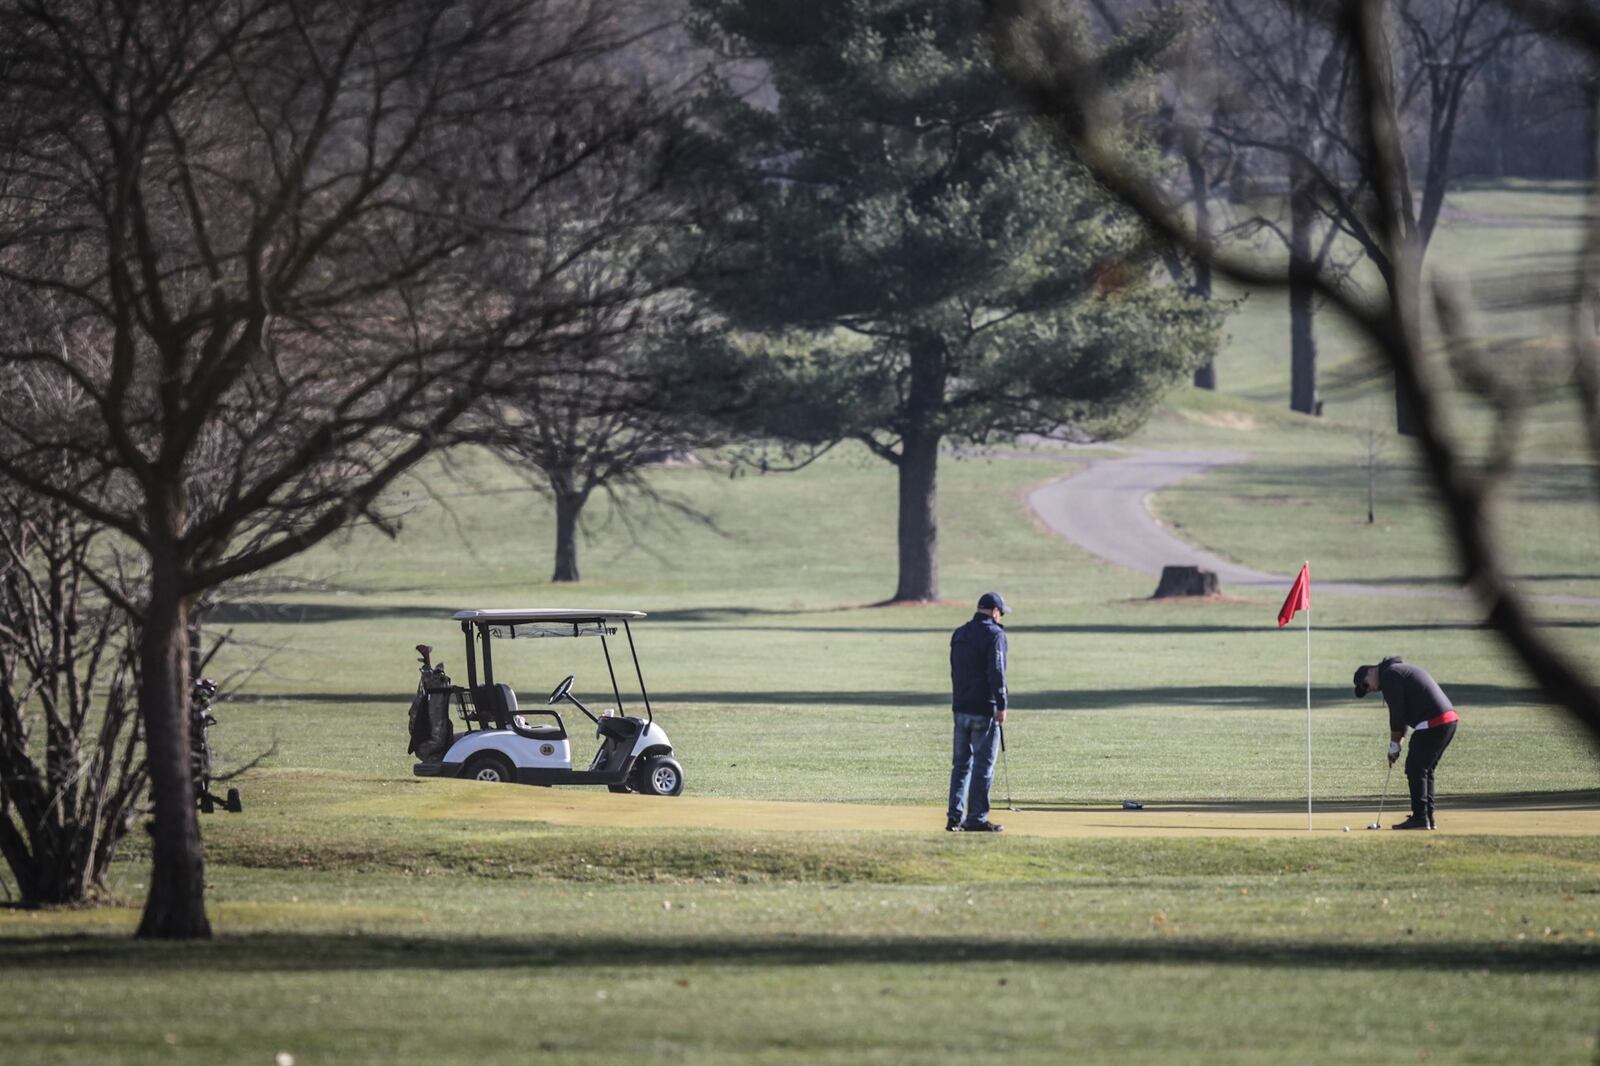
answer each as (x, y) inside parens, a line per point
(530, 746)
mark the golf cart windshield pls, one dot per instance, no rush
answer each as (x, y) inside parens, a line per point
(510, 624)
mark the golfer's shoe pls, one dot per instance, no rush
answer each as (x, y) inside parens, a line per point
(952, 825)
(1413, 823)
(983, 827)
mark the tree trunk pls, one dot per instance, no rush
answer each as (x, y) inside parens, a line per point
(175, 908)
(919, 521)
(1302, 294)
(1205, 375)
(20, 860)
(569, 505)
(195, 629)
(919, 467)
(1499, 101)
(1405, 423)
(1405, 301)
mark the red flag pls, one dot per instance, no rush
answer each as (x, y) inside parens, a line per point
(1299, 597)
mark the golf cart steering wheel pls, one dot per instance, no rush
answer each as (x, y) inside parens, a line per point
(561, 690)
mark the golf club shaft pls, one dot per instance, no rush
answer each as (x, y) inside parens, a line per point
(1386, 775)
(1005, 763)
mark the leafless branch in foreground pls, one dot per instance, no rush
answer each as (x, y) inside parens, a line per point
(1410, 322)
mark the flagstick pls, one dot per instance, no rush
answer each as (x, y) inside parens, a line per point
(1308, 714)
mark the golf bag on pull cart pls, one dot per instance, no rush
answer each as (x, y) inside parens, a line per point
(201, 720)
(431, 730)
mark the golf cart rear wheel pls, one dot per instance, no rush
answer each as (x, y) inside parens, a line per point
(662, 776)
(491, 767)
(235, 804)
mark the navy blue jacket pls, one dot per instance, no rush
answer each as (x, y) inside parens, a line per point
(1412, 695)
(978, 667)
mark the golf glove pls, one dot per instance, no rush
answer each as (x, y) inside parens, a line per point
(1394, 751)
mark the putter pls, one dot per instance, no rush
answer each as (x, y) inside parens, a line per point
(1386, 775)
(1006, 764)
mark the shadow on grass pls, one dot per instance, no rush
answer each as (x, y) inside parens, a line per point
(1455, 582)
(249, 611)
(246, 611)
(938, 630)
(705, 619)
(1570, 800)
(1213, 697)
(322, 953)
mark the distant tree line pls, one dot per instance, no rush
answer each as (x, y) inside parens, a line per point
(1262, 114)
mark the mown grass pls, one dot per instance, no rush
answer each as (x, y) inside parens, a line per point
(1102, 950)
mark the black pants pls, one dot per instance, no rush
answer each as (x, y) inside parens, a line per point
(1427, 747)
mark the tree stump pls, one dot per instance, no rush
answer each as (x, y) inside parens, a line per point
(1186, 581)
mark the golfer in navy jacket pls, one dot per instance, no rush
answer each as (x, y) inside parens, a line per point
(978, 701)
(1416, 701)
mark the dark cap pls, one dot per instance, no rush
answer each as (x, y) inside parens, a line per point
(1361, 674)
(991, 600)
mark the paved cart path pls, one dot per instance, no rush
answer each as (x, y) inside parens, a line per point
(1102, 509)
(1560, 814)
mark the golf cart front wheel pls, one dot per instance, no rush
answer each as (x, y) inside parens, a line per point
(662, 776)
(490, 767)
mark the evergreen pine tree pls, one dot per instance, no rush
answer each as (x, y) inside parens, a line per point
(955, 278)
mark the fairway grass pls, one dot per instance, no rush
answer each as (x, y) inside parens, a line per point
(800, 904)
(600, 946)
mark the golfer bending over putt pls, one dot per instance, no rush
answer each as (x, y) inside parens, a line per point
(1414, 700)
(978, 700)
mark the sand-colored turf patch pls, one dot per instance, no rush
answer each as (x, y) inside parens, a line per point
(1557, 816)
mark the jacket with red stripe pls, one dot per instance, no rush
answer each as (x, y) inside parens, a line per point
(1412, 695)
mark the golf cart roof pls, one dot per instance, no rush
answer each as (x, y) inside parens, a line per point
(518, 616)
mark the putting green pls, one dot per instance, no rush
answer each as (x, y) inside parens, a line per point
(1559, 814)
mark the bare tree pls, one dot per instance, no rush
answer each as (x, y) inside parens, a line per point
(640, 389)
(72, 770)
(1064, 78)
(1373, 442)
(1182, 130)
(1530, 111)
(642, 372)
(1284, 105)
(1261, 97)
(263, 246)
(1445, 46)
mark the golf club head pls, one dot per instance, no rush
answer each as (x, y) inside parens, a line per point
(1374, 825)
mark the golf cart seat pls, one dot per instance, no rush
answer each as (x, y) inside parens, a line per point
(620, 728)
(500, 703)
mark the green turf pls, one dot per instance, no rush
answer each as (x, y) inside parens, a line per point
(353, 931)
(1171, 950)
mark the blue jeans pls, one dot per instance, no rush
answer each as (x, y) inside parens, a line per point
(977, 742)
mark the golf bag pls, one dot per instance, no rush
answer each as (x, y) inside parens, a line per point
(431, 730)
(201, 693)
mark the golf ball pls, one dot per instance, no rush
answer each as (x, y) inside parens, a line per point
(1347, 829)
